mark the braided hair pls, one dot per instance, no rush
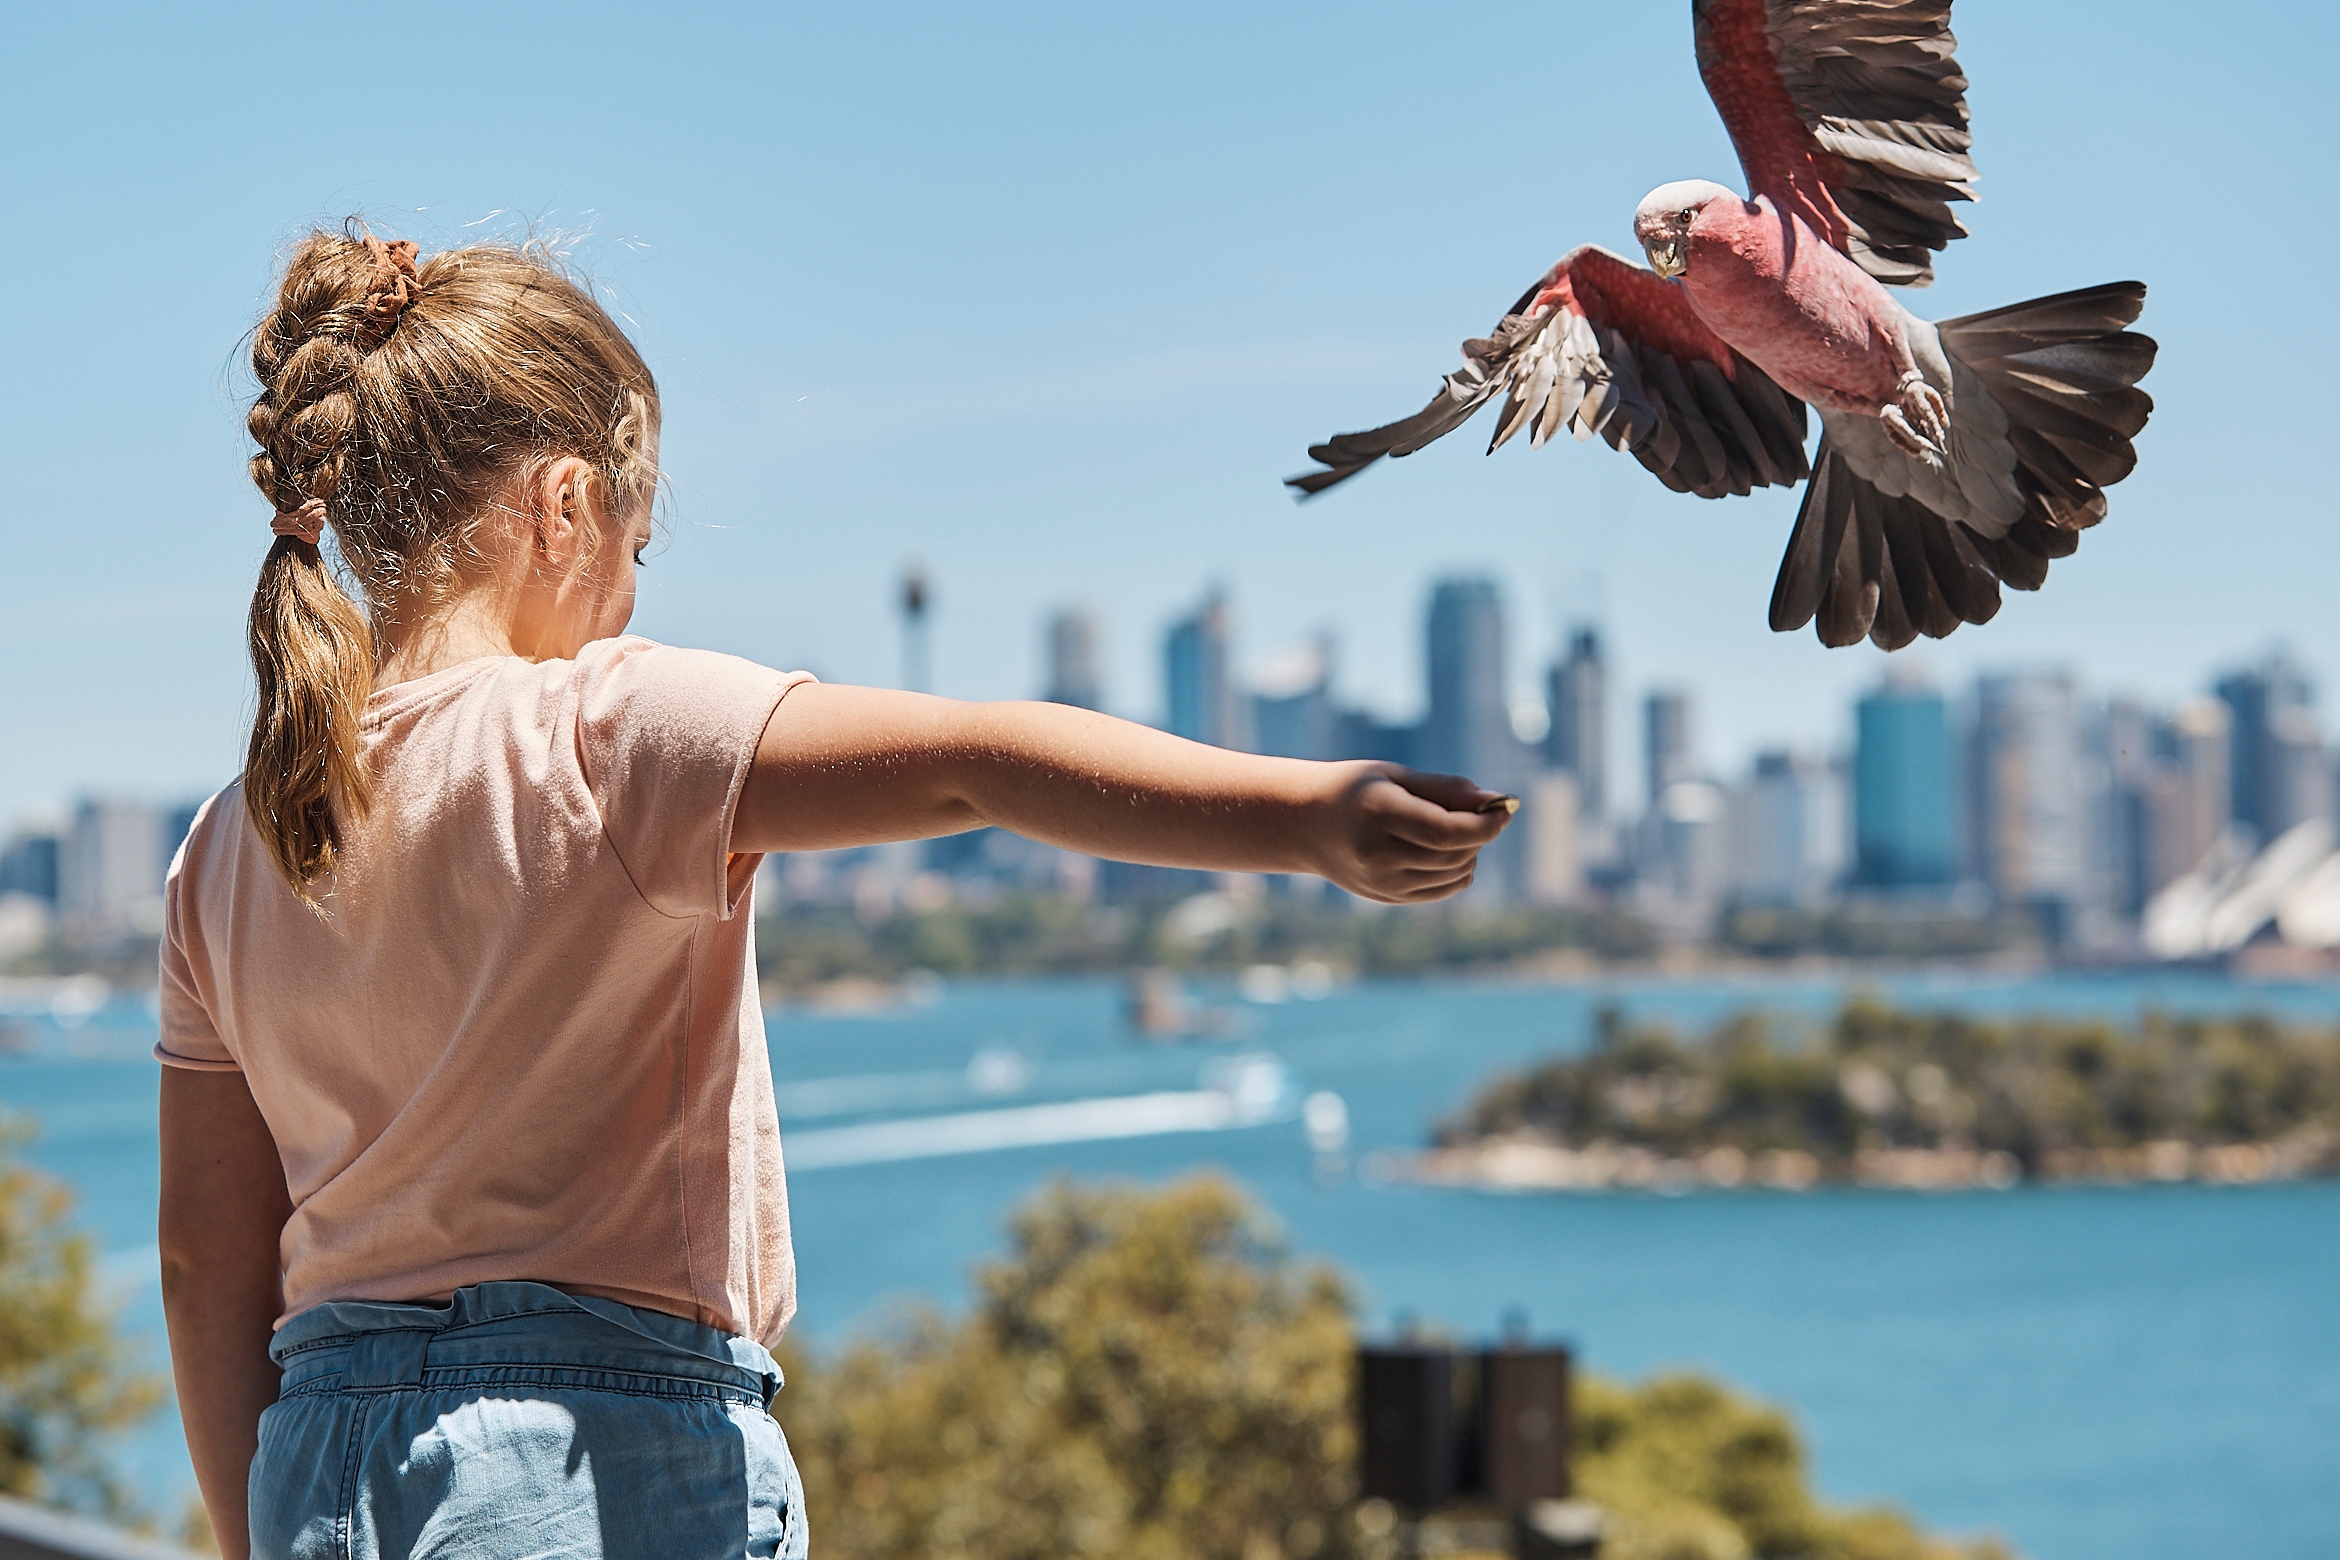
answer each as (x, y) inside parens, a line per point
(403, 396)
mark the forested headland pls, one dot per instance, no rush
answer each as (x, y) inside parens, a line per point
(1886, 1096)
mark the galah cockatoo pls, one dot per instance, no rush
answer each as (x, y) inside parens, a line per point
(1953, 455)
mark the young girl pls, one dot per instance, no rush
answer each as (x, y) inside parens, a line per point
(473, 1223)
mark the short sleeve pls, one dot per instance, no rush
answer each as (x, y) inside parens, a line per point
(667, 737)
(188, 1037)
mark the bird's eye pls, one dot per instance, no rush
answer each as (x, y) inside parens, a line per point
(1687, 216)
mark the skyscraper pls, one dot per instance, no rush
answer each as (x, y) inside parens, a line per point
(1074, 676)
(110, 868)
(2167, 804)
(2278, 771)
(28, 865)
(2187, 795)
(2031, 804)
(1292, 713)
(1786, 830)
(1202, 700)
(1551, 848)
(1576, 691)
(1905, 789)
(1469, 726)
(1665, 741)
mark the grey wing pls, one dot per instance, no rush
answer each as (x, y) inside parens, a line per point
(1695, 429)
(1878, 84)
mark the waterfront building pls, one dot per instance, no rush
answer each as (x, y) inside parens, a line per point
(2131, 738)
(1786, 831)
(28, 865)
(1551, 849)
(1363, 734)
(1576, 743)
(1468, 728)
(1075, 667)
(1203, 704)
(110, 867)
(2279, 776)
(2169, 804)
(1292, 713)
(2190, 804)
(1905, 788)
(1685, 861)
(1665, 742)
(2030, 795)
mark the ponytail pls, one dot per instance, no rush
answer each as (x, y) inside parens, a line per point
(397, 397)
(313, 658)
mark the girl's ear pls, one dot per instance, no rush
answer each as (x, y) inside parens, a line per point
(559, 512)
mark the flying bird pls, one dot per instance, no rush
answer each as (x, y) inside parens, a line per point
(1955, 455)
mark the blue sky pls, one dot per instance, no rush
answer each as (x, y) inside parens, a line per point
(1051, 297)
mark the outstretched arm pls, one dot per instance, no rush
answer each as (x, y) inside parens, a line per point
(843, 766)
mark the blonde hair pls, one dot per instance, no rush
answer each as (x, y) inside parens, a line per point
(404, 397)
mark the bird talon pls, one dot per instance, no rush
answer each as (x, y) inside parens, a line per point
(1917, 420)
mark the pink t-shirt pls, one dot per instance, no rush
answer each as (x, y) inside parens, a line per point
(524, 1041)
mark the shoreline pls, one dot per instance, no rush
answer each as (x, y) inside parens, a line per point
(1523, 1163)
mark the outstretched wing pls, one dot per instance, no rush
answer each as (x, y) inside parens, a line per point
(1850, 114)
(1603, 346)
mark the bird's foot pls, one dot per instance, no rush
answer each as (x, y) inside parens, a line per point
(1918, 420)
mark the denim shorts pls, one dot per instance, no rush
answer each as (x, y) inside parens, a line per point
(520, 1421)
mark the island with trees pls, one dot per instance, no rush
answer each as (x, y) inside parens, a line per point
(1882, 1096)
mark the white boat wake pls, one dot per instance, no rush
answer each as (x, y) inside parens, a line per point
(1250, 1092)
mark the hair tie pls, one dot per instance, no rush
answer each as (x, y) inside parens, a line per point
(305, 524)
(394, 284)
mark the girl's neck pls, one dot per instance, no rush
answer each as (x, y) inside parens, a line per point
(470, 628)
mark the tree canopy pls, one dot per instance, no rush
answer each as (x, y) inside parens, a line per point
(1151, 1374)
(63, 1385)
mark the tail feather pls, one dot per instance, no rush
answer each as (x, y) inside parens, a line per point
(2084, 311)
(1811, 550)
(1849, 605)
(2113, 413)
(1868, 564)
(2065, 371)
(1922, 596)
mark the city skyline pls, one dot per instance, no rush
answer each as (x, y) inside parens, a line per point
(1204, 689)
(2026, 786)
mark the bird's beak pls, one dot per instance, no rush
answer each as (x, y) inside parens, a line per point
(1665, 256)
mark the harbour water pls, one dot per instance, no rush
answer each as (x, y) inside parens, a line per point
(2092, 1372)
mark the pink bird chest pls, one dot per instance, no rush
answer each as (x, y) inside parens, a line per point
(1796, 307)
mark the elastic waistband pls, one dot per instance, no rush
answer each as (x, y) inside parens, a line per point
(517, 1333)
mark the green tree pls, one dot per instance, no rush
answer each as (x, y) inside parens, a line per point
(1687, 1470)
(1151, 1375)
(63, 1386)
(1145, 1376)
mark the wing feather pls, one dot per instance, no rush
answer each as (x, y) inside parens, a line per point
(1750, 459)
(1850, 114)
(1606, 349)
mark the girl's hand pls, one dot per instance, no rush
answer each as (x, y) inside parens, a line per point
(1401, 836)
